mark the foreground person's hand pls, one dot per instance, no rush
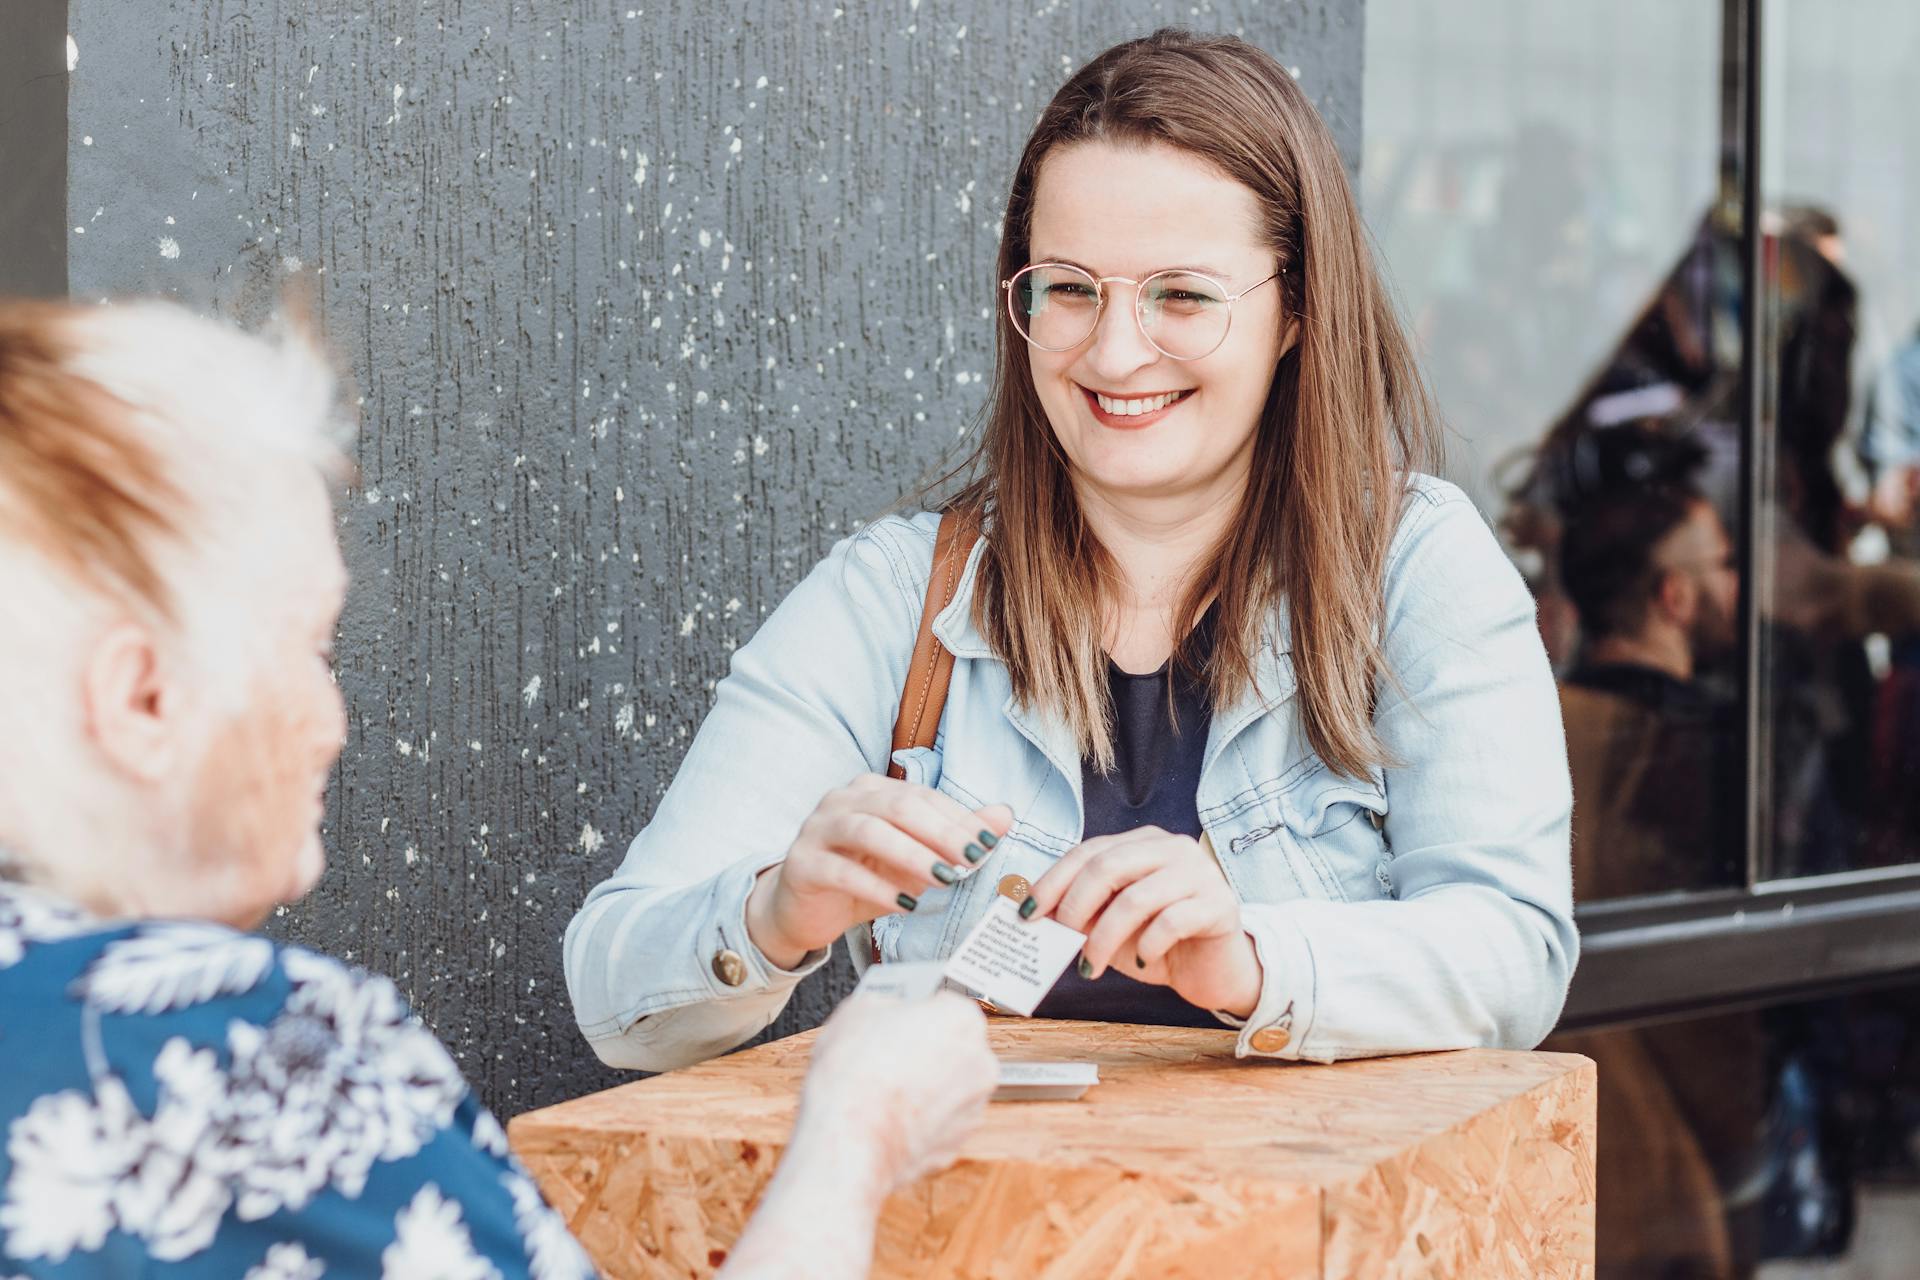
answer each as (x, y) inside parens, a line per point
(892, 1091)
(905, 1081)
(869, 849)
(1157, 907)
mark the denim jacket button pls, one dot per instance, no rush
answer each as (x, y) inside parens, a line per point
(1270, 1040)
(729, 968)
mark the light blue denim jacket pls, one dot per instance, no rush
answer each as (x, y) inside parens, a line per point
(1427, 906)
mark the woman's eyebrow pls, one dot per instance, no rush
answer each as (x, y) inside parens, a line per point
(1193, 268)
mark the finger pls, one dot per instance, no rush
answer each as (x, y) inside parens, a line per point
(1053, 885)
(1181, 922)
(948, 828)
(995, 820)
(900, 858)
(1105, 876)
(1130, 911)
(875, 895)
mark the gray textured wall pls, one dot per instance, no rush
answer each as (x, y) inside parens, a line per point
(648, 306)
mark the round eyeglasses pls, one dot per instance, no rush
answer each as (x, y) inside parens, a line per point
(1183, 314)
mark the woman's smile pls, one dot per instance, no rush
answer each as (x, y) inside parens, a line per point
(1133, 410)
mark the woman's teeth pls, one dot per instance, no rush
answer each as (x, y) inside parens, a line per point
(1134, 407)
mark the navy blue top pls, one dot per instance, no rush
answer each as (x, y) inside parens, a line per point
(1159, 743)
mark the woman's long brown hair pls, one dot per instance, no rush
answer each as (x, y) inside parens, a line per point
(1347, 416)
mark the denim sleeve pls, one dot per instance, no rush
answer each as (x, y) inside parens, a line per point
(807, 706)
(1477, 944)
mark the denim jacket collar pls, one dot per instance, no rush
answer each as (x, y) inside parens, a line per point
(1273, 677)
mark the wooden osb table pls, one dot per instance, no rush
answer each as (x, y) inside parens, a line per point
(1182, 1162)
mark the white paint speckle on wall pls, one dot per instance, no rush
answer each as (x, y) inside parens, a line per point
(169, 248)
(73, 53)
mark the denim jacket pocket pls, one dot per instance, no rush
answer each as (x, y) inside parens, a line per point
(1341, 824)
(1326, 831)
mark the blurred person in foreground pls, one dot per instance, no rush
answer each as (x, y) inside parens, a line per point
(181, 1096)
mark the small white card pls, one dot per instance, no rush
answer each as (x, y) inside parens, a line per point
(1014, 962)
(908, 980)
(1086, 1074)
(1045, 1081)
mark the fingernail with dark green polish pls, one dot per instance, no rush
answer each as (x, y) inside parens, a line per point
(989, 839)
(1139, 963)
(1027, 908)
(944, 873)
(907, 902)
(1086, 969)
(973, 853)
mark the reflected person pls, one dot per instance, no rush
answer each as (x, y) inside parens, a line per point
(1653, 580)
(178, 1092)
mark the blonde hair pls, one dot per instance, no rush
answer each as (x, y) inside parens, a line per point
(131, 436)
(1347, 416)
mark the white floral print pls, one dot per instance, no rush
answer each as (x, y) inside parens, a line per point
(27, 916)
(171, 965)
(552, 1252)
(287, 1261)
(240, 1119)
(85, 1165)
(342, 1078)
(69, 1152)
(430, 1242)
(489, 1136)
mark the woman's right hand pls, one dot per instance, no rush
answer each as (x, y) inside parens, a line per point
(869, 849)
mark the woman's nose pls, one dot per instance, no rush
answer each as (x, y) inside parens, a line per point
(1118, 346)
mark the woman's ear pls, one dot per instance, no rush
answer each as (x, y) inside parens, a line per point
(132, 705)
(1289, 338)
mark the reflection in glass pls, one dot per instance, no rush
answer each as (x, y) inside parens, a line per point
(1839, 585)
(1556, 192)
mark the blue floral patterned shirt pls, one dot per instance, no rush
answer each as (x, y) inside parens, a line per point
(178, 1099)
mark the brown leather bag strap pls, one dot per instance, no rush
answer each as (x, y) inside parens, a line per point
(925, 695)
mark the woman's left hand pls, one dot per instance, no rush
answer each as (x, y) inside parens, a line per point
(1158, 908)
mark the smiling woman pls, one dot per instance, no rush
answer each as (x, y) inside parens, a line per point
(1237, 690)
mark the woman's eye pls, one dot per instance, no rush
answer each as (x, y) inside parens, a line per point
(1070, 292)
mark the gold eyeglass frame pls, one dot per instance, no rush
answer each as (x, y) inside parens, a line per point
(1139, 292)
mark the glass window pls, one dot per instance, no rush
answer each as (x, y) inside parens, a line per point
(1839, 585)
(1555, 189)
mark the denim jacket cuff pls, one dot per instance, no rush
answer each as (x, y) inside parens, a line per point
(1280, 1020)
(727, 932)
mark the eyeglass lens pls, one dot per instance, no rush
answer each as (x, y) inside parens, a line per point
(1057, 307)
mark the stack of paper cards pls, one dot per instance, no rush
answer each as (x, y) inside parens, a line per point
(1045, 1081)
